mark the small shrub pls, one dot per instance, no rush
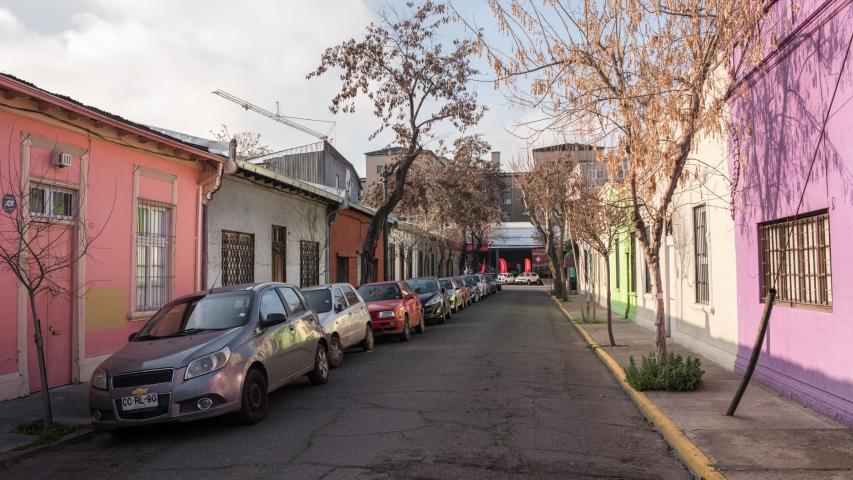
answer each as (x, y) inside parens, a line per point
(675, 374)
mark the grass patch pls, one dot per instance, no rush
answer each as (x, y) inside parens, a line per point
(44, 436)
(675, 374)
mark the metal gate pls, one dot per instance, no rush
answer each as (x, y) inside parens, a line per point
(309, 263)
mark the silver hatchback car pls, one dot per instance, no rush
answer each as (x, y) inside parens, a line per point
(344, 316)
(211, 353)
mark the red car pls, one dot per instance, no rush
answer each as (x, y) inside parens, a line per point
(394, 309)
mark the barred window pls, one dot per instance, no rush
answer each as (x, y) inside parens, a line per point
(238, 258)
(795, 259)
(309, 263)
(633, 267)
(153, 255)
(617, 277)
(52, 202)
(700, 254)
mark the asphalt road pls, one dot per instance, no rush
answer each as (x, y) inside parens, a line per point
(506, 389)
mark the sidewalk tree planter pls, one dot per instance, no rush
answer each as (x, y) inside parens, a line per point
(414, 84)
(675, 374)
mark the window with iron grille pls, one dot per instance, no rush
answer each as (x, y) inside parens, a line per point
(795, 259)
(390, 260)
(238, 258)
(648, 284)
(50, 202)
(342, 269)
(632, 269)
(309, 263)
(279, 254)
(700, 256)
(616, 266)
(153, 255)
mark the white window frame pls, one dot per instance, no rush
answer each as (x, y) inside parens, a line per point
(147, 298)
(49, 191)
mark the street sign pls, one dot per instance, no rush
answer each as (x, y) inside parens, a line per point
(9, 203)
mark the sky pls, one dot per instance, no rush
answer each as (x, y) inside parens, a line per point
(157, 62)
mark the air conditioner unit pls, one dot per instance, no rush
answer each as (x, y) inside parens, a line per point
(61, 159)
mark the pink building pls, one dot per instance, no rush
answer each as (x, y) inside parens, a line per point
(793, 204)
(77, 172)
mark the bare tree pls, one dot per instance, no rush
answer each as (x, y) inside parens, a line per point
(249, 144)
(414, 83)
(598, 217)
(546, 190)
(646, 77)
(43, 237)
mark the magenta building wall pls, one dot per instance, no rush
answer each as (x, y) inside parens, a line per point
(775, 133)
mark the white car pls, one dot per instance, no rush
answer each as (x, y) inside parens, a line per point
(505, 278)
(344, 316)
(528, 278)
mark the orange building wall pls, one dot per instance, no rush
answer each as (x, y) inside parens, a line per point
(348, 231)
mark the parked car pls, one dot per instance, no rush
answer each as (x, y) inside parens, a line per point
(434, 298)
(344, 316)
(506, 278)
(473, 284)
(463, 287)
(528, 278)
(492, 278)
(485, 288)
(210, 353)
(394, 309)
(455, 296)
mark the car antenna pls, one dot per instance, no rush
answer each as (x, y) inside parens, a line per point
(214, 281)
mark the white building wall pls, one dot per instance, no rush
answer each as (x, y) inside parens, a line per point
(711, 329)
(243, 206)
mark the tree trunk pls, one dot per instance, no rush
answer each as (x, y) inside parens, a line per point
(660, 314)
(47, 411)
(609, 306)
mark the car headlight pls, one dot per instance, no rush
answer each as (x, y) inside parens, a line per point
(387, 314)
(99, 379)
(434, 301)
(208, 363)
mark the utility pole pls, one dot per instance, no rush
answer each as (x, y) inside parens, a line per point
(384, 173)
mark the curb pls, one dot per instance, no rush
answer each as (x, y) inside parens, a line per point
(15, 456)
(696, 461)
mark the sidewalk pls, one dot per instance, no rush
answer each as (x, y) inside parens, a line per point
(70, 407)
(771, 437)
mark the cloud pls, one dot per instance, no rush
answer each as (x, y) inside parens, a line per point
(157, 61)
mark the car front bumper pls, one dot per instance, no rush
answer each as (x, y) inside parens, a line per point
(434, 311)
(386, 326)
(177, 400)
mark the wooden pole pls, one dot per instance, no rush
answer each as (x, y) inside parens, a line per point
(756, 351)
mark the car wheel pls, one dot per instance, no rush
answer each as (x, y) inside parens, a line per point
(406, 334)
(421, 328)
(367, 343)
(254, 403)
(336, 353)
(320, 374)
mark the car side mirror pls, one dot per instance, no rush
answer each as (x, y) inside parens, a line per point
(132, 336)
(443, 290)
(339, 308)
(274, 319)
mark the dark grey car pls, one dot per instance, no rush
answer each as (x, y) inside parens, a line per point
(211, 353)
(434, 298)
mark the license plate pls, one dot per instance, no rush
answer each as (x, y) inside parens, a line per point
(136, 402)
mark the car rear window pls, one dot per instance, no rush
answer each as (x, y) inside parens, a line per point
(373, 293)
(319, 300)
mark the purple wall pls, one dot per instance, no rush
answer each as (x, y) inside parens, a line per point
(808, 353)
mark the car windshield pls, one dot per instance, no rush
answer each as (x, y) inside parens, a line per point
(372, 293)
(215, 311)
(470, 281)
(320, 300)
(422, 285)
(446, 284)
